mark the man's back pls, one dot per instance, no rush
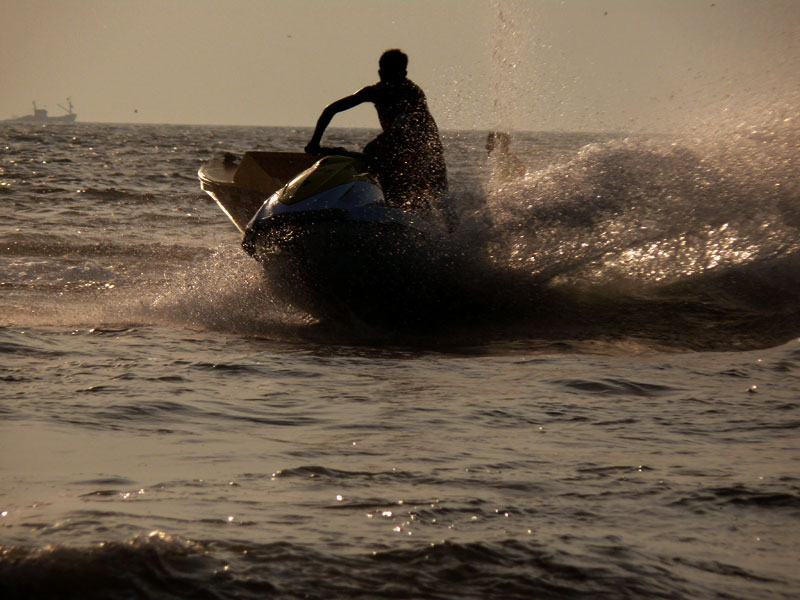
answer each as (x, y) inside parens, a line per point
(409, 153)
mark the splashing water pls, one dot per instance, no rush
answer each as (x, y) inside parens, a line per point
(696, 222)
(650, 211)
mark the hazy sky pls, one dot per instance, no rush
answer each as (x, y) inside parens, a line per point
(521, 64)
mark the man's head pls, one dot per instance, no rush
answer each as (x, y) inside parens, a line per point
(392, 65)
(498, 139)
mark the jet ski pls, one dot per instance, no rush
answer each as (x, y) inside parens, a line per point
(330, 243)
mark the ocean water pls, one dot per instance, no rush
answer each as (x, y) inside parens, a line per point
(617, 416)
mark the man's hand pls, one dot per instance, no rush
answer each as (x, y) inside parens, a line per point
(313, 148)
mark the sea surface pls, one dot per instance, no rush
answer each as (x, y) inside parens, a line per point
(618, 417)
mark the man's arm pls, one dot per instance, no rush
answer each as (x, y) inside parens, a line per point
(346, 103)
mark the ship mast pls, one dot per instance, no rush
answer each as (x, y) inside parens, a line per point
(69, 104)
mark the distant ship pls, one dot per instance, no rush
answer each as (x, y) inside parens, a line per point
(40, 115)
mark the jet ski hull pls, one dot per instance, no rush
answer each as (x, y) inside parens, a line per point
(332, 247)
(382, 273)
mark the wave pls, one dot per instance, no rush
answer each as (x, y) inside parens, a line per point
(158, 565)
(149, 566)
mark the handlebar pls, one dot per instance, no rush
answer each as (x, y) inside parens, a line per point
(338, 151)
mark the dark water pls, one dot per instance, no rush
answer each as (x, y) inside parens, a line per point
(616, 416)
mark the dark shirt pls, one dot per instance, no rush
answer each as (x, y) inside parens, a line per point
(394, 99)
(409, 151)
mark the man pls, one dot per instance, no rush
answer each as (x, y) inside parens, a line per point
(408, 155)
(505, 164)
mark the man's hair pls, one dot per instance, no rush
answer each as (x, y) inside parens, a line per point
(394, 61)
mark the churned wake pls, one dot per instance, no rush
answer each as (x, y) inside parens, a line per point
(688, 240)
(693, 225)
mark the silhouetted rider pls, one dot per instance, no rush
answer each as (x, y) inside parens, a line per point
(408, 155)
